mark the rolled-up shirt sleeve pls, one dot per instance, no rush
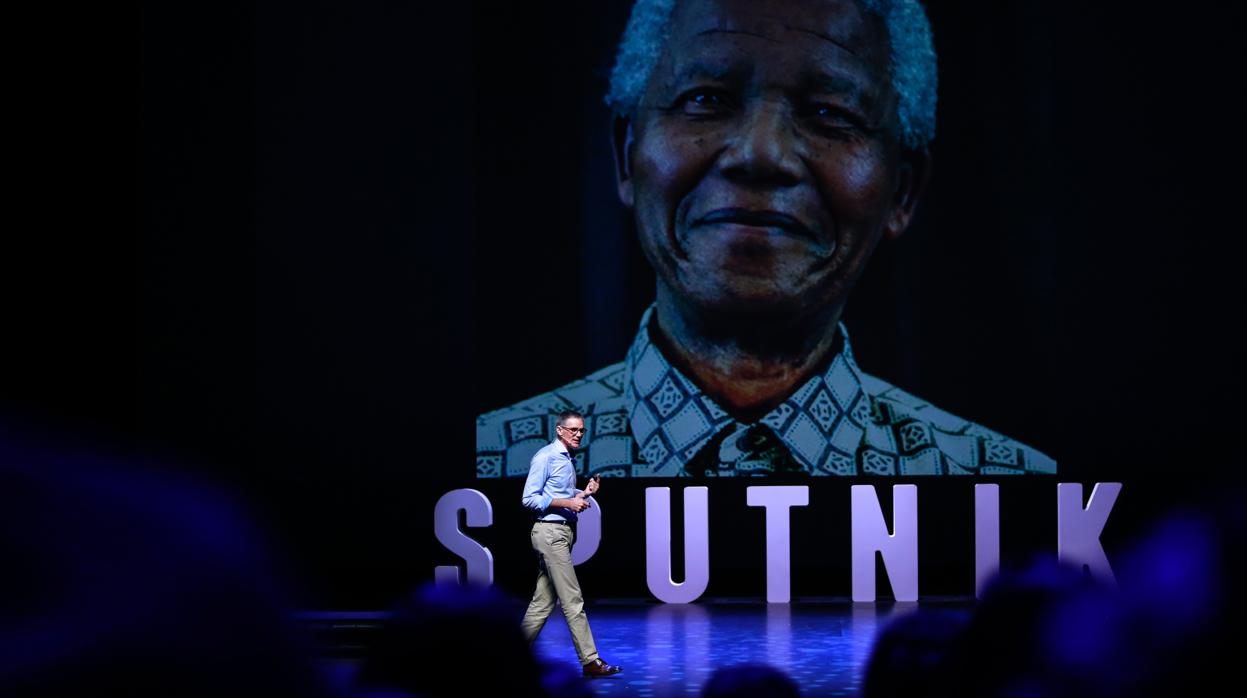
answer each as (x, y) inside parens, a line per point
(535, 496)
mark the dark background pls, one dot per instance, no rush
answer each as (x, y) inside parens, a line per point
(341, 214)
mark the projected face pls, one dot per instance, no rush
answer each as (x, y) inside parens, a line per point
(763, 159)
(762, 166)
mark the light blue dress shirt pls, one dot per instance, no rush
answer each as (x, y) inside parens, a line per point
(551, 476)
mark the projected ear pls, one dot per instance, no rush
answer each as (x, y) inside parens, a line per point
(621, 142)
(911, 181)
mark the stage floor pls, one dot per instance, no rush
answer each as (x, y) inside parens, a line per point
(672, 649)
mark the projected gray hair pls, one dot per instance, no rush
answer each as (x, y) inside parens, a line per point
(912, 61)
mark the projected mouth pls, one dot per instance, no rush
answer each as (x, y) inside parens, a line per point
(756, 219)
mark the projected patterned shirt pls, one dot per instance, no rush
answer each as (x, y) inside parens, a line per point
(644, 418)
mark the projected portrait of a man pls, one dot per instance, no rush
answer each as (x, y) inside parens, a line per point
(764, 149)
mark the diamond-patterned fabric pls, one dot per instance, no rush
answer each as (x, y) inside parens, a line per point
(645, 418)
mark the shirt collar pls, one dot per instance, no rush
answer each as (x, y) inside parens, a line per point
(672, 418)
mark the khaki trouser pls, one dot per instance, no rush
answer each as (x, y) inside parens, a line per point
(557, 578)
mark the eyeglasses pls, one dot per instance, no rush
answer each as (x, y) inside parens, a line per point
(577, 431)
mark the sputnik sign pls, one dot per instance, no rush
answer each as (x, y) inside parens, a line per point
(1078, 536)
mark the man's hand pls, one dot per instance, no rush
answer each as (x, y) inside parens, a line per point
(592, 486)
(576, 504)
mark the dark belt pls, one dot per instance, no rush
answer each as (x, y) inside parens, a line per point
(560, 523)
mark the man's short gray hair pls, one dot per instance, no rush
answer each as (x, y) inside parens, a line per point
(562, 417)
(912, 66)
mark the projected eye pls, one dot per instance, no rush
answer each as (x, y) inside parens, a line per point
(705, 102)
(834, 119)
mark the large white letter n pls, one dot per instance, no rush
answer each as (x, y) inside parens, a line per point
(899, 549)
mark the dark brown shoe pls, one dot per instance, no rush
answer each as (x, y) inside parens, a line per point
(597, 668)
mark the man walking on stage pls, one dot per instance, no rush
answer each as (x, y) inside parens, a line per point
(550, 492)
